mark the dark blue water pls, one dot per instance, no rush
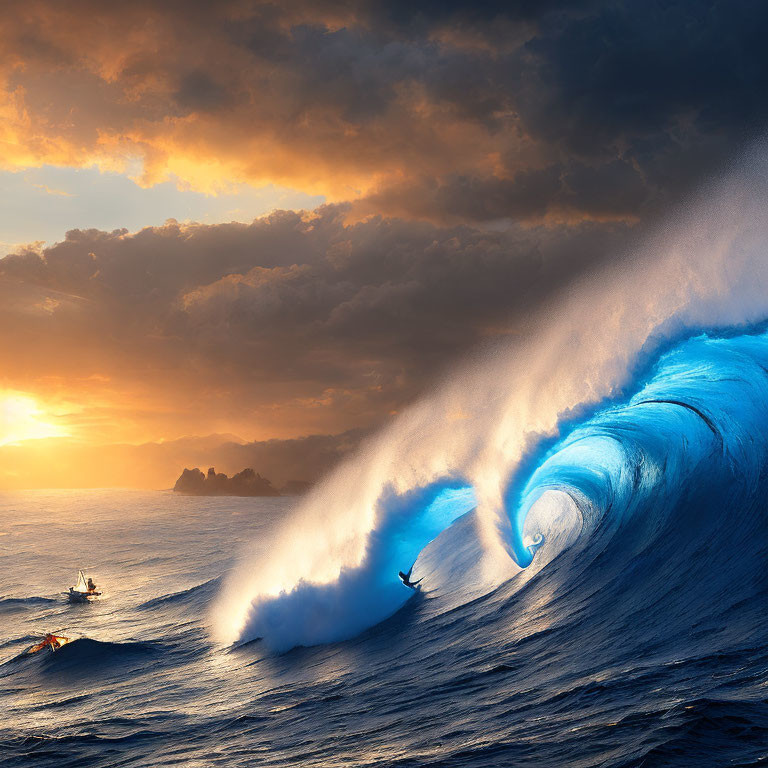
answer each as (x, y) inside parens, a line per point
(636, 636)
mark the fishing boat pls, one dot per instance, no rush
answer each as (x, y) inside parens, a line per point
(52, 642)
(84, 591)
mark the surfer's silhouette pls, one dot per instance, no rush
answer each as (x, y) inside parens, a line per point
(406, 578)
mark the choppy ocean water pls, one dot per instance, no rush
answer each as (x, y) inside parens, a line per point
(636, 636)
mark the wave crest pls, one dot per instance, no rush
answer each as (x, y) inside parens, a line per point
(494, 428)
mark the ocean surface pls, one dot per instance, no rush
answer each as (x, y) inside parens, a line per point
(629, 626)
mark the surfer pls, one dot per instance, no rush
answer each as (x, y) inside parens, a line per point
(91, 585)
(406, 578)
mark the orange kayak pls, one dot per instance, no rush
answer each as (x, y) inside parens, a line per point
(54, 642)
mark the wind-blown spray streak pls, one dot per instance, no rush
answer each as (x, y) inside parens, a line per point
(333, 570)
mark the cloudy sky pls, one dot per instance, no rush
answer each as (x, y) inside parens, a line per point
(272, 220)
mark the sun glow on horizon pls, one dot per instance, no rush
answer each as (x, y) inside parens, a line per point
(22, 418)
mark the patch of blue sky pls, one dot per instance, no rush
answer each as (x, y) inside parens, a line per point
(42, 204)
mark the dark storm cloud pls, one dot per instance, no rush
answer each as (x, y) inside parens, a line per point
(198, 92)
(636, 68)
(613, 189)
(337, 323)
(651, 95)
(421, 18)
(515, 110)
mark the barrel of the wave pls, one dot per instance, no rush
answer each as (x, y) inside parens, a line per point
(673, 475)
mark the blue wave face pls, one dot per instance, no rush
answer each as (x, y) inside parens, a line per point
(672, 484)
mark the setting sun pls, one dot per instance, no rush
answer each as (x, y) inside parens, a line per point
(22, 418)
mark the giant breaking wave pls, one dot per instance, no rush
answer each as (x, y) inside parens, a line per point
(623, 434)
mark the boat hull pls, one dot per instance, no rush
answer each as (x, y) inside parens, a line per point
(83, 597)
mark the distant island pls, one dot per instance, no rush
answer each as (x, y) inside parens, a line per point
(193, 482)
